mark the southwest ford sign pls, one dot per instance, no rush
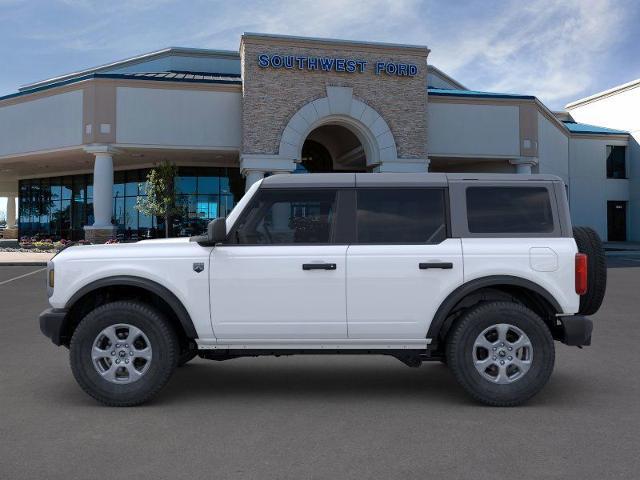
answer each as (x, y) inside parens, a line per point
(334, 64)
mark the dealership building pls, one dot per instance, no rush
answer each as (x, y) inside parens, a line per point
(75, 149)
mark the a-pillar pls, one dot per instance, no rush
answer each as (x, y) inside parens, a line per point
(102, 228)
(524, 164)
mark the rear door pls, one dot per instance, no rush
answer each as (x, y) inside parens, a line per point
(402, 264)
(282, 273)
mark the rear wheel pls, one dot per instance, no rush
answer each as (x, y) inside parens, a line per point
(123, 353)
(501, 353)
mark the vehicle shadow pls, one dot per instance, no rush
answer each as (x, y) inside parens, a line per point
(317, 379)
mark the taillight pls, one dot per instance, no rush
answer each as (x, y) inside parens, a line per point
(581, 273)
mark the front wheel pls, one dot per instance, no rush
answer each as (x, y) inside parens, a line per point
(501, 353)
(123, 353)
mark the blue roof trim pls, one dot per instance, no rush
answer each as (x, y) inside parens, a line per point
(444, 92)
(585, 128)
(225, 80)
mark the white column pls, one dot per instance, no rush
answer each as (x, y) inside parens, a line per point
(524, 164)
(103, 189)
(11, 211)
(251, 177)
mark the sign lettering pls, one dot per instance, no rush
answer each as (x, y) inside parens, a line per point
(332, 64)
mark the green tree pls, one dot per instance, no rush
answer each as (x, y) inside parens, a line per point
(160, 199)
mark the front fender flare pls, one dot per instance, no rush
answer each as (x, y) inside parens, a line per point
(132, 281)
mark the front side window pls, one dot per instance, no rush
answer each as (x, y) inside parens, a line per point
(509, 210)
(280, 217)
(401, 216)
(616, 165)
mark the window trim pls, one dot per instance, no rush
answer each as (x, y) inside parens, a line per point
(446, 211)
(606, 163)
(460, 225)
(231, 239)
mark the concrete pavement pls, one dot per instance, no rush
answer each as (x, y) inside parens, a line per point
(320, 417)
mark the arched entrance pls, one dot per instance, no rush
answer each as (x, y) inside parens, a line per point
(337, 133)
(332, 148)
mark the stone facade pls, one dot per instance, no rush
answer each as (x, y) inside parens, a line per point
(272, 96)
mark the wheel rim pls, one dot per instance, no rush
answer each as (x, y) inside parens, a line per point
(502, 353)
(121, 353)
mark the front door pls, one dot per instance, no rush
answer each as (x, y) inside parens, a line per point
(402, 265)
(281, 275)
(617, 221)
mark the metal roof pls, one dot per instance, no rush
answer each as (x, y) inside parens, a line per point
(585, 128)
(187, 77)
(132, 61)
(176, 75)
(444, 92)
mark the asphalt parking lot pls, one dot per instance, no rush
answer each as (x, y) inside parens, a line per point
(320, 417)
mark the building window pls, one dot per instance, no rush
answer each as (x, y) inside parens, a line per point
(616, 161)
(60, 207)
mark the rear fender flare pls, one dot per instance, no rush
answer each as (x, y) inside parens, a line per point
(440, 317)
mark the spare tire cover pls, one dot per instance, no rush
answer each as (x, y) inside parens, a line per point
(589, 243)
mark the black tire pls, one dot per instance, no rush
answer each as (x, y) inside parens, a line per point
(460, 349)
(589, 243)
(163, 342)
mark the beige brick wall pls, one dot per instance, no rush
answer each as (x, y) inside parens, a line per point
(271, 96)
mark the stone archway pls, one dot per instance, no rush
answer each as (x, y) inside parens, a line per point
(340, 108)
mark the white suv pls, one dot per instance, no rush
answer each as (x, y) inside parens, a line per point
(482, 272)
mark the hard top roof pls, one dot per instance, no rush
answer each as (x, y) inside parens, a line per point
(416, 179)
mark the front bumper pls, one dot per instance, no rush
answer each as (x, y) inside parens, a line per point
(575, 330)
(53, 323)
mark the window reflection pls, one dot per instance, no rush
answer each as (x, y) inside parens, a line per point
(59, 207)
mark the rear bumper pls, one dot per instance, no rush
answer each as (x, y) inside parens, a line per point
(52, 324)
(575, 330)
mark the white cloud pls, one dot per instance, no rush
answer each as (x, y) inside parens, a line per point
(549, 48)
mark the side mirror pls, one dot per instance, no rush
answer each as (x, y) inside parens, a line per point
(217, 230)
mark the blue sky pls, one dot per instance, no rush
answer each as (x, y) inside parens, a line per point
(557, 50)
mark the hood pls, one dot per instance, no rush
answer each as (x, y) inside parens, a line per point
(165, 247)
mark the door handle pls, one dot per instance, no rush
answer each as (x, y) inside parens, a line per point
(442, 265)
(318, 266)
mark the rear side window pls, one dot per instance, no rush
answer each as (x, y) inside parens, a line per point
(400, 216)
(280, 217)
(509, 210)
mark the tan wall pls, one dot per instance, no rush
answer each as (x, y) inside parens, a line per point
(272, 96)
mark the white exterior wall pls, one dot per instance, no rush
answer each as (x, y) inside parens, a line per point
(589, 188)
(553, 149)
(188, 118)
(43, 124)
(457, 129)
(620, 111)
